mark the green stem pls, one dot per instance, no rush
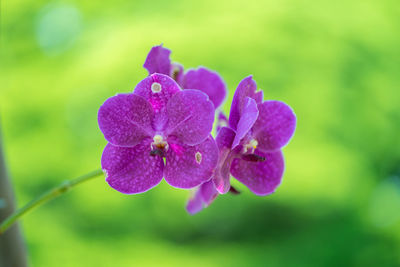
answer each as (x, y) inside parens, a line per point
(49, 195)
(12, 245)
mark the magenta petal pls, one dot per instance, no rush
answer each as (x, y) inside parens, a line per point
(221, 177)
(125, 119)
(191, 116)
(158, 61)
(158, 99)
(190, 166)
(202, 198)
(246, 121)
(207, 81)
(131, 170)
(225, 137)
(258, 97)
(246, 88)
(275, 125)
(262, 178)
(208, 192)
(195, 203)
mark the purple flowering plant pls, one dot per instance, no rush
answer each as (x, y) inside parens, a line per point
(163, 129)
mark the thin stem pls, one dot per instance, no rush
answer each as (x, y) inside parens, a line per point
(49, 195)
(12, 245)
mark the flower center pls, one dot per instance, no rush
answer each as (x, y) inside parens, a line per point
(159, 143)
(158, 146)
(155, 87)
(250, 146)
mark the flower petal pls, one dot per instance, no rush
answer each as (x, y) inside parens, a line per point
(202, 198)
(262, 178)
(275, 125)
(246, 121)
(225, 137)
(258, 97)
(132, 170)
(221, 176)
(191, 116)
(125, 119)
(195, 203)
(158, 60)
(190, 166)
(207, 81)
(246, 88)
(158, 89)
(208, 192)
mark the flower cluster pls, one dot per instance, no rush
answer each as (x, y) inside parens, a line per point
(163, 129)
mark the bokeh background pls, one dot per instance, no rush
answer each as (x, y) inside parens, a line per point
(337, 63)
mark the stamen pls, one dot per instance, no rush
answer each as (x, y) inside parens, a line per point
(250, 146)
(198, 157)
(253, 143)
(155, 87)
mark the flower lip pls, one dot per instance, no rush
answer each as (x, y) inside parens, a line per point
(252, 157)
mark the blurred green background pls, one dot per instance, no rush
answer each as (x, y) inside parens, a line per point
(337, 63)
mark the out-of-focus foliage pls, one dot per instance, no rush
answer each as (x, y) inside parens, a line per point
(337, 63)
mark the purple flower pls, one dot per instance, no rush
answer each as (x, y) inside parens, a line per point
(157, 121)
(208, 81)
(161, 131)
(250, 148)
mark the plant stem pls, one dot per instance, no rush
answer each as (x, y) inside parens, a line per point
(12, 245)
(49, 195)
